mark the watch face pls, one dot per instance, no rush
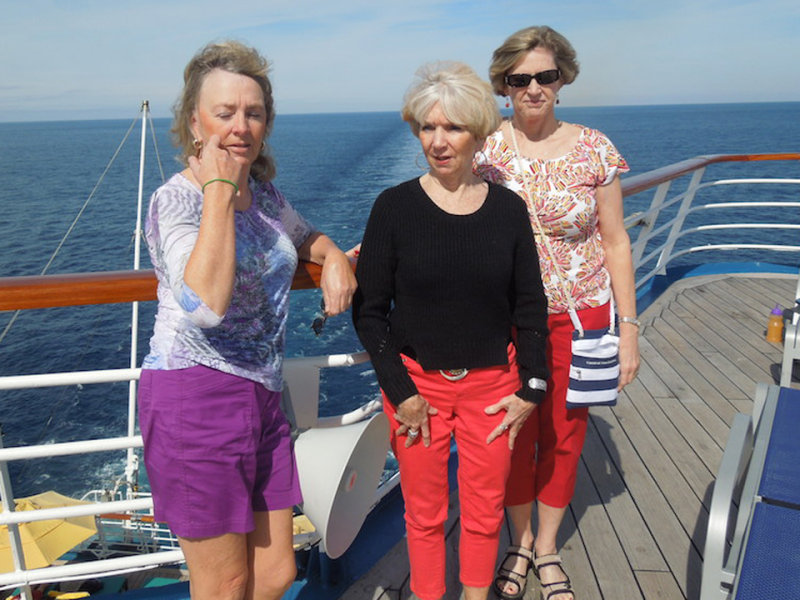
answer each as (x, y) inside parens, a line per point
(537, 384)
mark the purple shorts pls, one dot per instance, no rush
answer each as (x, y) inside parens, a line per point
(217, 448)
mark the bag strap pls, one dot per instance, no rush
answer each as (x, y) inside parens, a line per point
(528, 185)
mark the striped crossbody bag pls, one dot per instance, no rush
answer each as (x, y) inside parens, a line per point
(594, 367)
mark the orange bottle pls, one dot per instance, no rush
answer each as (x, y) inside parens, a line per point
(775, 325)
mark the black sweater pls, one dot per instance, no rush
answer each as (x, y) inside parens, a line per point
(449, 288)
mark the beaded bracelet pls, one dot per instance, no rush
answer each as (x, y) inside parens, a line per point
(235, 187)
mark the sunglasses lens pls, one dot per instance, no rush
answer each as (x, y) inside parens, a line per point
(546, 77)
(519, 80)
(318, 325)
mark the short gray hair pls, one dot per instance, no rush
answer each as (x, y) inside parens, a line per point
(464, 97)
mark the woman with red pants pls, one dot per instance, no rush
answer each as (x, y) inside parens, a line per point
(447, 270)
(569, 176)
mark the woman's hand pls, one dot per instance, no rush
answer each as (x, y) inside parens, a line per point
(412, 414)
(517, 410)
(214, 162)
(211, 268)
(628, 354)
(338, 282)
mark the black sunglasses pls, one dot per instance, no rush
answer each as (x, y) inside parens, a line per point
(318, 324)
(521, 80)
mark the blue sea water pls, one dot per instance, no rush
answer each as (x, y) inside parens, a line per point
(331, 167)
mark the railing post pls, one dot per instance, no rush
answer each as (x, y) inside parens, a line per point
(650, 222)
(677, 226)
(15, 542)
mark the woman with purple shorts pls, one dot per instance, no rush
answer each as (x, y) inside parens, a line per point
(225, 244)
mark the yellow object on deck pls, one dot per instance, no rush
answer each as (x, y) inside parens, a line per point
(45, 541)
(301, 524)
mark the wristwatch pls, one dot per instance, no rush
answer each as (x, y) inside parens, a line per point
(631, 320)
(537, 384)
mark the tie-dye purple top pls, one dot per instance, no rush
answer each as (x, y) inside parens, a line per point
(249, 339)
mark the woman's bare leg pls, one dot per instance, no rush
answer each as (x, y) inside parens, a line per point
(271, 555)
(217, 566)
(521, 535)
(550, 519)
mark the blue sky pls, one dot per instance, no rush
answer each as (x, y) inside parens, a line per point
(79, 59)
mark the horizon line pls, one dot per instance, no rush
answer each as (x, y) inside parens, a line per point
(353, 112)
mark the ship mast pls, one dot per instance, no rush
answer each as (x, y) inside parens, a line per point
(132, 463)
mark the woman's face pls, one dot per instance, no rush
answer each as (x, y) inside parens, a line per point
(536, 100)
(448, 147)
(231, 106)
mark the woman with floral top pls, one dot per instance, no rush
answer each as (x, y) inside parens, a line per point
(225, 244)
(568, 176)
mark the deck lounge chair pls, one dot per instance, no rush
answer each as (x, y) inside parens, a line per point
(752, 552)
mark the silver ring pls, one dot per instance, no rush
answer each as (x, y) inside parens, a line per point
(412, 433)
(504, 426)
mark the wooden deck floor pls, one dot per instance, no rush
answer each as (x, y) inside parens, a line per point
(636, 527)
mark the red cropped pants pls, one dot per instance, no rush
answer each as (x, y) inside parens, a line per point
(482, 472)
(544, 463)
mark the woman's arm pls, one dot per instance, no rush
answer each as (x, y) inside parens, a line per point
(372, 304)
(211, 267)
(338, 282)
(619, 262)
(530, 320)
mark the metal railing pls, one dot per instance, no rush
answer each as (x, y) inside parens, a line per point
(20, 293)
(661, 240)
(664, 235)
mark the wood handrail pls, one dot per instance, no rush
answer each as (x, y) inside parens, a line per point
(107, 287)
(75, 289)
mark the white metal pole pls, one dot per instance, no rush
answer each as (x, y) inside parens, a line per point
(131, 468)
(7, 496)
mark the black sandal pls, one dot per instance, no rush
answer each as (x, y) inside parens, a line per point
(505, 576)
(556, 587)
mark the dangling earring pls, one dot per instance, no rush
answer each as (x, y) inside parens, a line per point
(508, 102)
(419, 166)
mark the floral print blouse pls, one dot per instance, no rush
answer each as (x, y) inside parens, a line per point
(564, 199)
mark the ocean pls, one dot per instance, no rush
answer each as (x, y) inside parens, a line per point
(331, 167)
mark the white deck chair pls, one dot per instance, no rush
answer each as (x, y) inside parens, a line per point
(721, 554)
(791, 342)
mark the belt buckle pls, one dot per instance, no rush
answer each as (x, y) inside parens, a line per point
(453, 374)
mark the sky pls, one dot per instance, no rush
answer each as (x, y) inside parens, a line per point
(95, 59)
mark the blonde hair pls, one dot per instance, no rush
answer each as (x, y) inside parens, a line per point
(523, 41)
(464, 98)
(233, 57)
